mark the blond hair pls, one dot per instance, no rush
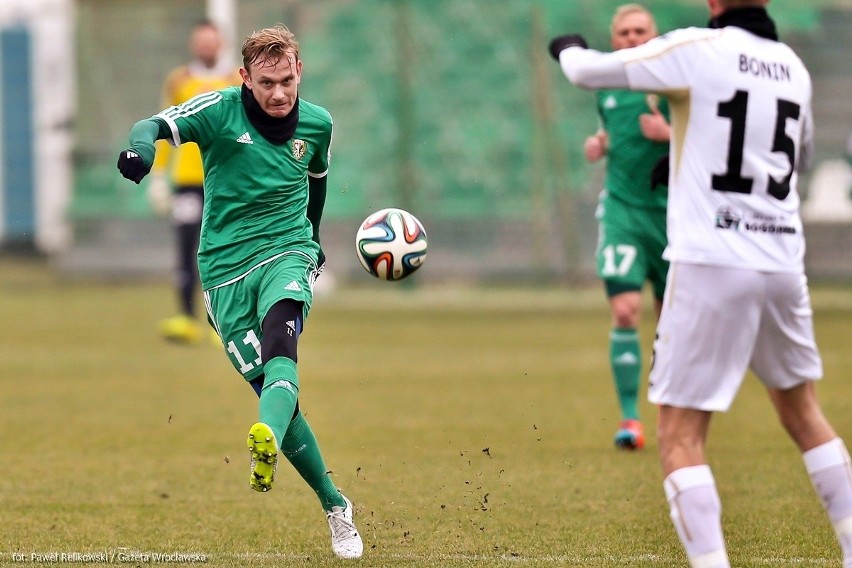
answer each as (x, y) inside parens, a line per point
(269, 45)
(626, 9)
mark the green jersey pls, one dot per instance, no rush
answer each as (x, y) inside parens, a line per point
(631, 156)
(255, 192)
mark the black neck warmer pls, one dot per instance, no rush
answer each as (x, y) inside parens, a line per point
(276, 130)
(754, 20)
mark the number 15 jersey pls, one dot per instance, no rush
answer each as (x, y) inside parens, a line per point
(741, 125)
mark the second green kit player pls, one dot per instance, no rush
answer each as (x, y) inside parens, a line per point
(633, 137)
(631, 240)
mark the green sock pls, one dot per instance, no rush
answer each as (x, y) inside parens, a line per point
(300, 447)
(626, 362)
(279, 395)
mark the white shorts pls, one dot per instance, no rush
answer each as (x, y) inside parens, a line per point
(717, 322)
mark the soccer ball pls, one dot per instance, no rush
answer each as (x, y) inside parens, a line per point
(391, 244)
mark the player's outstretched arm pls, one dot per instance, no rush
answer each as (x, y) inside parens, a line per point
(560, 43)
(587, 68)
(135, 162)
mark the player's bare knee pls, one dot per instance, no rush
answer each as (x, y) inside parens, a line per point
(807, 426)
(682, 430)
(791, 416)
(670, 436)
(795, 407)
(625, 309)
(628, 321)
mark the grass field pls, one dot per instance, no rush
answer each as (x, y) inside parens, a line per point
(470, 428)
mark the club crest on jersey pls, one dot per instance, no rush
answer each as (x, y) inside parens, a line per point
(300, 147)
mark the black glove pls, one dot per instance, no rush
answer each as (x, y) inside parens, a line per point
(660, 173)
(557, 44)
(131, 165)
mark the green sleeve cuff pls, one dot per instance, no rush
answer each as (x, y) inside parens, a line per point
(143, 134)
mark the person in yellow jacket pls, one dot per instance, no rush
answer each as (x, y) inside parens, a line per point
(177, 183)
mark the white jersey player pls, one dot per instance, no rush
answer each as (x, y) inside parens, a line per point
(742, 121)
(736, 295)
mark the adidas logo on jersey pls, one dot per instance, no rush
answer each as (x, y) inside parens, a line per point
(245, 139)
(293, 285)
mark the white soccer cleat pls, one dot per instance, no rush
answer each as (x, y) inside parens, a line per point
(345, 540)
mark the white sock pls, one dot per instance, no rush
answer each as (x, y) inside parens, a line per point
(829, 467)
(697, 515)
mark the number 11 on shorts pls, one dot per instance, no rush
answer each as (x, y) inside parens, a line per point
(249, 339)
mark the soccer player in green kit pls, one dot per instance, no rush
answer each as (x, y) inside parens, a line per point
(266, 155)
(632, 216)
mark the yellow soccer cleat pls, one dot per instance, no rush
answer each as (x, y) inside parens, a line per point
(264, 457)
(182, 329)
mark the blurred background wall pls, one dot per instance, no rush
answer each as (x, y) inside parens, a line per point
(452, 109)
(37, 108)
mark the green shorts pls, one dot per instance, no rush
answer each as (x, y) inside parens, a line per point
(236, 309)
(630, 247)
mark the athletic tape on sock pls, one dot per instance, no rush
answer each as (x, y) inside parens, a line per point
(687, 478)
(828, 455)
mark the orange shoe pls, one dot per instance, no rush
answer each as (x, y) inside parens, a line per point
(630, 435)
